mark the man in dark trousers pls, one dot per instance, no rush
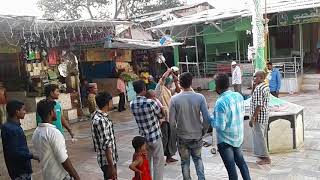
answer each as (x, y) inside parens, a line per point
(121, 86)
(274, 80)
(15, 149)
(103, 136)
(50, 144)
(227, 118)
(185, 113)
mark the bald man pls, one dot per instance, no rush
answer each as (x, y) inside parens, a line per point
(259, 110)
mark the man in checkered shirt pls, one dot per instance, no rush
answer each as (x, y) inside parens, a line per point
(260, 117)
(147, 113)
(103, 136)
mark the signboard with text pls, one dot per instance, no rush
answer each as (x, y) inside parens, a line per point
(299, 17)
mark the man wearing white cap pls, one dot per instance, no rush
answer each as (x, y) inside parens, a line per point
(236, 77)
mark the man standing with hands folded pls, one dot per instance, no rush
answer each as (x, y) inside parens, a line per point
(259, 110)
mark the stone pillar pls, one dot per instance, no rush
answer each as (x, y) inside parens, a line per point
(258, 35)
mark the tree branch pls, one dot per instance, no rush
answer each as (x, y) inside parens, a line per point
(89, 10)
(118, 9)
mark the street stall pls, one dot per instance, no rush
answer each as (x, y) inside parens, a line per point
(39, 52)
(103, 66)
(143, 62)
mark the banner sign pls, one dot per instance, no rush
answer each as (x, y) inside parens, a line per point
(299, 17)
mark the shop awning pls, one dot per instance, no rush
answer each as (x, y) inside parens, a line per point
(121, 43)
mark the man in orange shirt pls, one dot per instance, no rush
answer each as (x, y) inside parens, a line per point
(3, 103)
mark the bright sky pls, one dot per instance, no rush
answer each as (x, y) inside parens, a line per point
(20, 7)
(29, 7)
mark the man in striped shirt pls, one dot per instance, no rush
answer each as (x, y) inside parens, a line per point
(103, 137)
(147, 115)
(227, 118)
(259, 117)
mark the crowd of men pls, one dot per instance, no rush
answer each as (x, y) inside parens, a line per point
(171, 117)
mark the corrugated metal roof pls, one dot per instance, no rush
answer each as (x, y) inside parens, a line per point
(273, 6)
(123, 43)
(17, 23)
(172, 9)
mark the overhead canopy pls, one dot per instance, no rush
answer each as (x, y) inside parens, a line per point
(18, 23)
(121, 43)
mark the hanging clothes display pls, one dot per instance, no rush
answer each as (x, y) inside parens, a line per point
(53, 56)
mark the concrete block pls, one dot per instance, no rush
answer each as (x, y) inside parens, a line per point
(115, 100)
(71, 114)
(31, 102)
(29, 121)
(201, 83)
(65, 101)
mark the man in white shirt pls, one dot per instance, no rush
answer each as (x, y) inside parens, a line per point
(49, 144)
(236, 77)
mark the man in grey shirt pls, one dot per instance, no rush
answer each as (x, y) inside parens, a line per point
(185, 115)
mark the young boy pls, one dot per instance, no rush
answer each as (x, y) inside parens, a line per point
(15, 149)
(140, 162)
(52, 93)
(103, 137)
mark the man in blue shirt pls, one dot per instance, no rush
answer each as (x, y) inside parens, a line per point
(227, 118)
(274, 80)
(15, 149)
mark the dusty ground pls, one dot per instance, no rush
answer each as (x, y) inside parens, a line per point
(303, 164)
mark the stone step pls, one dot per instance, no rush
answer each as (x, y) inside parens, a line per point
(311, 76)
(310, 87)
(310, 81)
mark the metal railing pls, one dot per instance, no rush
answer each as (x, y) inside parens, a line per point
(289, 67)
(205, 69)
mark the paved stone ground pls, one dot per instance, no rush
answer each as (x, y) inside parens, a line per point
(299, 165)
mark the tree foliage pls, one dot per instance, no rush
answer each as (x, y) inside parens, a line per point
(129, 8)
(76, 9)
(162, 5)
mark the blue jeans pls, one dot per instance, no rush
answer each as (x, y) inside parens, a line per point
(191, 148)
(232, 156)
